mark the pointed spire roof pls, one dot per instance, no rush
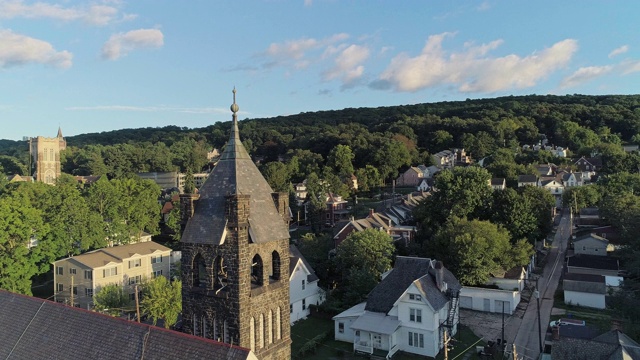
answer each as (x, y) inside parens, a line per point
(59, 132)
(235, 173)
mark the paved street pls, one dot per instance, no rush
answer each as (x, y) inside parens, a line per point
(526, 329)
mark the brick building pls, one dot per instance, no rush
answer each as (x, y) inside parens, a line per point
(45, 155)
(235, 258)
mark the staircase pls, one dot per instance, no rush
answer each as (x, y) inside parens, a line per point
(449, 323)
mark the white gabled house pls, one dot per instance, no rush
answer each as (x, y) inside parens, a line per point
(303, 286)
(410, 310)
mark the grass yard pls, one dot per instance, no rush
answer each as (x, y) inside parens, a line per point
(329, 349)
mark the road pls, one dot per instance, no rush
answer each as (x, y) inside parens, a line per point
(527, 337)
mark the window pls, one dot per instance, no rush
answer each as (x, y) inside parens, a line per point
(157, 273)
(416, 340)
(72, 271)
(60, 287)
(88, 274)
(290, 308)
(156, 259)
(75, 290)
(302, 284)
(60, 270)
(135, 263)
(135, 279)
(415, 297)
(110, 272)
(341, 328)
(304, 304)
(415, 315)
(88, 292)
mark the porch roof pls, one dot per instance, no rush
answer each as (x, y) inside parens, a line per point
(376, 322)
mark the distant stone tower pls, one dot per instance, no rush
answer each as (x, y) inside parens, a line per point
(235, 258)
(45, 155)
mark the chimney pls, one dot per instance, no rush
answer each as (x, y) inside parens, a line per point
(439, 267)
(371, 212)
(351, 218)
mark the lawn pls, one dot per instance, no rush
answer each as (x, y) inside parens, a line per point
(330, 349)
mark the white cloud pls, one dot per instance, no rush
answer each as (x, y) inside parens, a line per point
(472, 69)
(17, 49)
(122, 43)
(308, 2)
(621, 50)
(95, 14)
(348, 66)
(283, 54)
(585, 74)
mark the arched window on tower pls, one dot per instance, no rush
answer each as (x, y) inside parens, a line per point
(220, 275)
(256, 270)
(51, 158)
(275, 266)
(278, 325)
(199, 270)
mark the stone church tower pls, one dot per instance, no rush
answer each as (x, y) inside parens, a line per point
(235, 257)
(45, 155)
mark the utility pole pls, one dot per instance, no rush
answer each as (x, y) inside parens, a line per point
(514, 353)
(137, 303)
(71, 290)
(446, 346)
(537, 294)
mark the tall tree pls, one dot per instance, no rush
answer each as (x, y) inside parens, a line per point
(162, 299)
(112, 300)
(340, 159)
(370, 250)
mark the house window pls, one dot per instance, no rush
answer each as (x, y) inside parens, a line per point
(304, 304)
(416, 339)
(157, 273)
(88, 274)
(135, 280)
(302, 284)
(415, 297)
(60, 287)
(584, 248)
(110, 272)
(290, 308)
(72, 271)
(135, 263)
(156, 259)
(341, 328)
(88, 292)
(415, 315)
(75, 290)
(60, 270)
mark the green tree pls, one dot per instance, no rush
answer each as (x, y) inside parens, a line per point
(340, 159)
(174, 221)
(370, 250)
(111, 299)
(515, 213)
(277, 175)
(162, 299)
(580, 197)
(389, 157)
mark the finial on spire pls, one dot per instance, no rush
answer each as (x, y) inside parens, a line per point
(234, 107)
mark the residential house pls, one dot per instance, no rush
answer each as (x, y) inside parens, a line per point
(336, 209)
(444, 159)
(81, 277)
(584, 290)
(524, 180)
(303, 286)
(198, 180)
(424, 185)
(431, 171)
(552, 185)
(86, 180)
(596, 265)
(19, 178)
(504, 293)
(629, 148)
(409, 310)
(545, 169)
(498, 183)
(572, 179)
(588, 217)
(42, 329)
(591, 244)
(411, 177)
(612, 345)
(353, 184)
(301, 192)
(385, 222)
(589, 164)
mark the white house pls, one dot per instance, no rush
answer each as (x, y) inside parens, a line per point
(410, 310)
(572, 179)
(591, 244)
(551, 185)
(506, 295)
(584, 290)
(303, 286)
(424, 185)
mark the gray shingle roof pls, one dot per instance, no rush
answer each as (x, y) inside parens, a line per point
(406, 271)
(235, 173)
(612, 345)
(42, 329)
(593, 262)
(527, 178)
(295, 254)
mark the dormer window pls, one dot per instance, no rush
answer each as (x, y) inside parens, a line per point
(415, 297)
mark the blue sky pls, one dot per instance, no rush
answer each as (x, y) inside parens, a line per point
(91, 66)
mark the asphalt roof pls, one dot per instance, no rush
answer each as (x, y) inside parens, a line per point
(34, 328)
(527, 178)
(612, 345)
(102, 257)
(235, 173)
(593, 262)
(295, 254)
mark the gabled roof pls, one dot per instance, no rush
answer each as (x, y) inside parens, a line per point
(591, 236)
(527, 178)
(497, 181)
(586, 283)
(407, 271)
(101, 257)
(612, 345)
(295, 255)
(42, 329)
(235, 173)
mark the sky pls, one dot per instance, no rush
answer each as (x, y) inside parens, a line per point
(93, 66)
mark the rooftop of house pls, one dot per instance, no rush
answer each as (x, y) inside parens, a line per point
(497, 181)
(45, 329)
(593, 262)
(612, 345)
(585, 283)
(407, 271)
(589, 237)
(295, 255)
(527, 178)
(104, 256)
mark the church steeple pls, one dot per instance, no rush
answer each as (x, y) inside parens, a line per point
(60, 132)
(234, 148)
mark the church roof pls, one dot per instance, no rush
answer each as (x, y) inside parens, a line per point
(44, 329)
(235, 173)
